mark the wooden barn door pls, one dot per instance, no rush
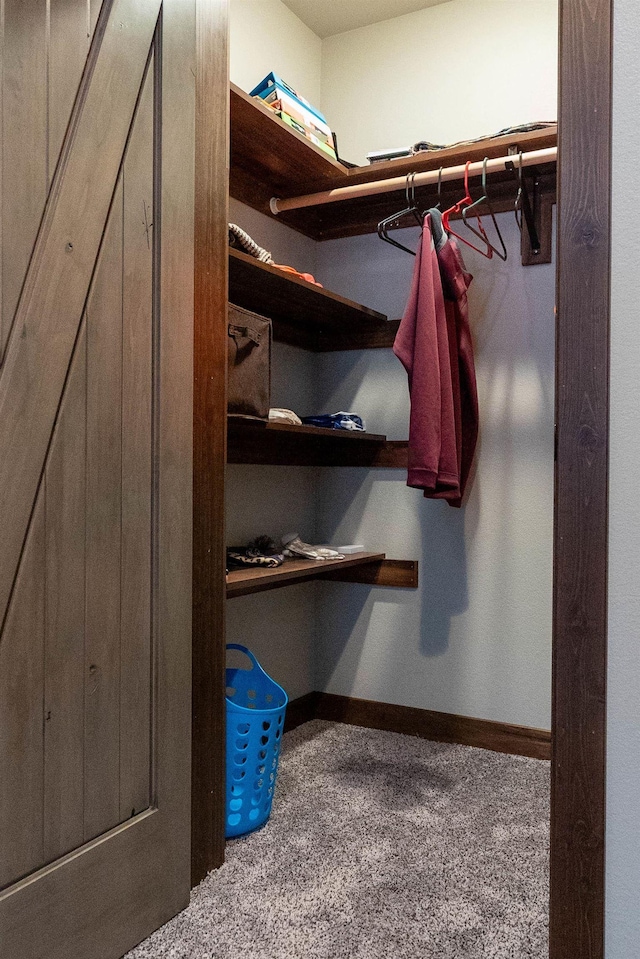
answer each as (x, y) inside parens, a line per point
(96, 308)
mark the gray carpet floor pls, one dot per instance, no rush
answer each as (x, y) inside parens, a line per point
(380, 845)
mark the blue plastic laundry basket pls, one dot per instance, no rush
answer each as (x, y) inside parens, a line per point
(255, 722)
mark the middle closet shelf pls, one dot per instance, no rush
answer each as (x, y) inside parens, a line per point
(308, 316)
(278, 444)
(304, 314)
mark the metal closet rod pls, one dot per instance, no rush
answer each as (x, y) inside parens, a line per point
(497, 164)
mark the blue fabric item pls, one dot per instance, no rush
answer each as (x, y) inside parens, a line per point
(335, 421)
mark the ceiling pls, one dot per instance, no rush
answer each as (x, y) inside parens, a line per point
(328, 17)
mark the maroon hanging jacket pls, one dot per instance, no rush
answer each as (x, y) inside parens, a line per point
(422, 346)
(434, 345)
(455, 282)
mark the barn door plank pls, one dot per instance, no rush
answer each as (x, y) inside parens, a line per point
(64, 630)
(24, 144)
(104, 505)
(135, 642)
(93, 14)
(48, 317)
(68, 48)
(21, 713)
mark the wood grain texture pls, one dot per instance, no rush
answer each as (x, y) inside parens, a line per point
(103, 537)
(580, 555)
(209, 433)
(93, 12)
(273, 154)
(65, 620)
(436, 726)
(103, 898)
(60, 270)
(278, 444)
(24, 144)
(282, 296)
(398, 573)
(175, 100)
(137, 330)
(67, 53)
(21, 713)
(244, 581)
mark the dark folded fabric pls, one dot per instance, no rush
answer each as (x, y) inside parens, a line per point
(241, 556)
(335, 421)
(425, 146)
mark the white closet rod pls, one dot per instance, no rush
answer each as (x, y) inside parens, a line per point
(497, 164)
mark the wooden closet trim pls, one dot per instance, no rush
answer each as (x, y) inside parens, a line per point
(581, 482)
(210, 435)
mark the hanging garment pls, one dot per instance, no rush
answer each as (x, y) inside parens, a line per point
(422, 346)
(434, 345)
(455, 283)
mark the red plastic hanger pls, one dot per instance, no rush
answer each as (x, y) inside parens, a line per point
(457, 208)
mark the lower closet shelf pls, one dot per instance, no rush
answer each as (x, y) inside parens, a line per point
(373, 569)
(278, 444)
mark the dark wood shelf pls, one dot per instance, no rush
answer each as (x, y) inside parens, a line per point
(269, 159)
(278, 444)
(303, 313)
(241, 582)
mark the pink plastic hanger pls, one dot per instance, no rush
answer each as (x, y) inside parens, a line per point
(457, 208)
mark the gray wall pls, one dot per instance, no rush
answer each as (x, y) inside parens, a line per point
(475, 638)
(623, 773)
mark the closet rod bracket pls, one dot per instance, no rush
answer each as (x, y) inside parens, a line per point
(528, 206)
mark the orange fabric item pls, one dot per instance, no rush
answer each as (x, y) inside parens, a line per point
(302, 276)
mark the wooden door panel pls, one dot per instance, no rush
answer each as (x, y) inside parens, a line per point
(94, 13)
(21, 703)
(43, 50)
(64, 666)
(98, 490)
(95, 508)
(69, 37)
(24, 144)
(104, 506)
(51, 305)
(137, 362)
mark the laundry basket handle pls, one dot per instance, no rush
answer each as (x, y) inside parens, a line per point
(247, 652)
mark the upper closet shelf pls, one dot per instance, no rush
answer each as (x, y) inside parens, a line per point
(268, 156)
(304, 314)
(270, 159)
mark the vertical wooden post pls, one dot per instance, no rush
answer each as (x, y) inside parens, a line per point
(209, 449)
(580, 566)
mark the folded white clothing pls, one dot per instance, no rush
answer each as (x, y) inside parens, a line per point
(293, 546)
(277, 415)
